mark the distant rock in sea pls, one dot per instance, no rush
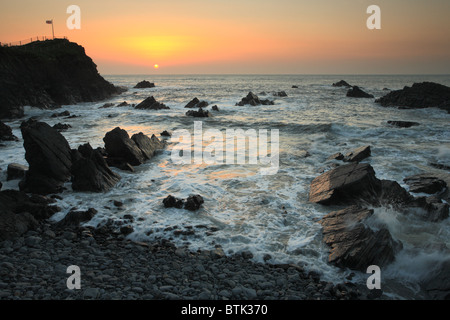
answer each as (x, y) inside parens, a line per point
(198, 114)
(356, 92)
(48, 74)
(403, 124)
(341, 83)
(196, 103)
(420, 95)
(151, 104)
(253, 100)
(144, 84)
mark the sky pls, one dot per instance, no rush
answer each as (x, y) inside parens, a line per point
(244, 36)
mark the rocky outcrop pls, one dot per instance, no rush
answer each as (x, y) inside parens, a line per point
(198, 114)
(90, 172)
(349, 183)
(195, 103)
(6, 133)
(280, 94)
(215, 108)
(48, 74)
(148, 146)
(341, 83)
(20, 212)
(420, 95)
(425, 183)
(353, 244)
(192, 203)
(122, 149)
(358, 154)
(403, 124)
(437, 285)
(253, 100)
(151, 104)
(74, 218)
(144, 84)
(49, 157)
(356, 92)
(62, 126)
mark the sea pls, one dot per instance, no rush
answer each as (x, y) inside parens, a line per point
(268, 215)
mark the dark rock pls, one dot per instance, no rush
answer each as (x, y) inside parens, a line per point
(119, 145)
(123, 104)
(151, 104)
(144, 84)
(195, 103)
(49, 157)
(345, 184)
(48, 74)
(90, 172)
(358, 154)
(170, 202)
(356, 92)
(166, 133)
(74, 218)
(1, 185)
(126, 230)
(215, 108)
(280, 94)
(336, 156)
(16, 171)
(118, 204)
(440, 166)
(61, 114)
(193, 202)
(425, 183)
(436, 210)
(148, 146)
(353, 244)
(6, 133)
(420, 95)
(119, 164)
(199, 114)
(20, 212)
(437, 284)
(252, 99)
(403, 124)
(62, 127)
(341, 83)
(107, 105)
(294, 87)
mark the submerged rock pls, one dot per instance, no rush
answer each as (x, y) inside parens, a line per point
(280, 94)
(215, 108)
(144, 84)
(403, 124)
(151, 104)
(420, 95)
(356, 92)
(199, 114)
(62, 126)
(49, 157)
(353, 244)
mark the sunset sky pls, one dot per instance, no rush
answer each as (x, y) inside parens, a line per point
(245, 36)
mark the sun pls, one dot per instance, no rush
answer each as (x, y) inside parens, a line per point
(156, 66)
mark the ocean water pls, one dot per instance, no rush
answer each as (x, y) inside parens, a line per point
(247, 211)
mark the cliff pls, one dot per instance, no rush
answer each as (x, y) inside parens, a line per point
(48, 74)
